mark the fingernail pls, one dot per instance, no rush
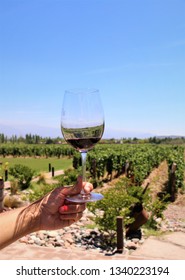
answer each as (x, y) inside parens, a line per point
(63, 208)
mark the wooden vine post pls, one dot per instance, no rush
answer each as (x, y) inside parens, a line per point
(120, 243)
(172, 182)
(53, 171)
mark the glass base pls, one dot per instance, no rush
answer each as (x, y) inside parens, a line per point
(85, 198)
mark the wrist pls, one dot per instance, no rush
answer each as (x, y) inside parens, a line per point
(17, 223)
(29, 219)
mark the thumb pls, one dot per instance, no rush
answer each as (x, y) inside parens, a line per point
(75, 189)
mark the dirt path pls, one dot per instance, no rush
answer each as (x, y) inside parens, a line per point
(49, 178)
(157, 179)
(174, 214)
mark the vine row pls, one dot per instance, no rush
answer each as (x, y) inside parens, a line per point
(136, 161)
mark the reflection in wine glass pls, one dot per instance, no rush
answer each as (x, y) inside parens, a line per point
(82, 125)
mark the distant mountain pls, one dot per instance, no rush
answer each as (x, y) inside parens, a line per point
(46, 131)
(22, 130)
(118, 134)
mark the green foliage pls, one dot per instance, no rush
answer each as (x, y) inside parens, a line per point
(14, 186)
(108, 161)
(4, 166)
(40, 164)
(43, 150)
(117, 201)
(176, 155)
(23, 174)
(39, 191)
(120, 200)
(69, 177)
(105, 161)
(42, 178)
(77, 162)
(156, 209)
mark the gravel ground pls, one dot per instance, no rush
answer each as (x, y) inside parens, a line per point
(174, 216)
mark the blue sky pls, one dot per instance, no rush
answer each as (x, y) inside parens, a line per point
(133, 51)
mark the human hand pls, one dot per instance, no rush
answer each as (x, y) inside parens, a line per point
(50, 212)
(53, 211)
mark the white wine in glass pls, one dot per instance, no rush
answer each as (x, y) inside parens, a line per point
(82, 125)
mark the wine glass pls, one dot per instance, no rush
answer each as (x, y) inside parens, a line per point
(82, 125)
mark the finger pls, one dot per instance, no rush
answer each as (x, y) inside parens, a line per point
(71, 208)
(67, 223)
(72, 217)
(88, 187)
(67, 202)
(63, 208)
(73, 190)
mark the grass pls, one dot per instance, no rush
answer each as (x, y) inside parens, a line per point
(39, 164)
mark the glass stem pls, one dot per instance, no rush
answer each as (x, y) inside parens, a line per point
(83, 157)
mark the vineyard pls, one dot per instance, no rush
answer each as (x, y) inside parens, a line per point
(129, 164)
(107, 161)
(35, 150)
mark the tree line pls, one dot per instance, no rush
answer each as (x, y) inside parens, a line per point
(37, 139)
(29, 139)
